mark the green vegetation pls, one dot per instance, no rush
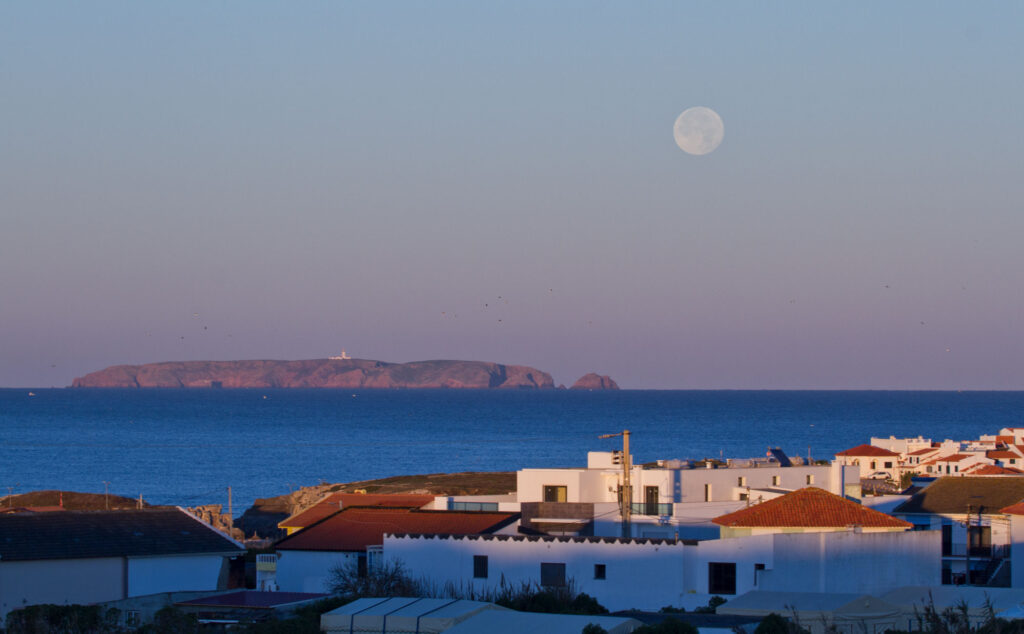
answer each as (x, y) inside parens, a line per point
(69, 619)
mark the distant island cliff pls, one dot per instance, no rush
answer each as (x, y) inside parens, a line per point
(325, 373)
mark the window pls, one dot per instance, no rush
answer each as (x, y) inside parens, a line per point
(979, 541)
(888, 465)
(744, 496)
(721, 578)
(810, 478)
(707, 492)
(131, 618)
(757, 568)
(472, 506)
(479, 566)
(874, 465)
(361, 571)
(776, 480)
(599, 571)
(555, 493)
(651, 501)
(741, 481)
(552, 575)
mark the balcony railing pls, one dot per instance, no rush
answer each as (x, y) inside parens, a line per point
(1001, 551)
(644, 508)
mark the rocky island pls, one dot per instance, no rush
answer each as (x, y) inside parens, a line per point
(320, 373)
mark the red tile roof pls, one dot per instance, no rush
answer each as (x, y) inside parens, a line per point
(356, 527)
(1014, 509)
(921, 452)
(810, 507)
(1002, 453)
(991, 469)
(957, 457)
(1006, 439)
(867, 450)
(334, 502)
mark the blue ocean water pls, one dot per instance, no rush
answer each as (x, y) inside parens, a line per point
(187, 446)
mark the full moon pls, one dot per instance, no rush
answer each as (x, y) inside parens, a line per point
(698, 130)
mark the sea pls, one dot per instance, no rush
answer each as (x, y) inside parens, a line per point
(187, 447)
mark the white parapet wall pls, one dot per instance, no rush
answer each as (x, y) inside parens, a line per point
(650, 574)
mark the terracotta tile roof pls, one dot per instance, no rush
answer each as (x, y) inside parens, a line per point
(1002, 453)
(90, 534)
(809, 507)
(334, 502)
(356, 527)
(957, 457)
(1013, 509)
(952, 495)
(1005, 439)
(867, 450)
(921, 452)
(991, 469)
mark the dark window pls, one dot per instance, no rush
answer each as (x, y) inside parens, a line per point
(721, 578)
(947, 540)
(707, 492)
(888, 465)
(757, 568)
(554, 493)
(599, 571)
(979, 540)
(361, 567)
(552, 575)
(479, 566)
(651, 500)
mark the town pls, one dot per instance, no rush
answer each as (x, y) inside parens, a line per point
(872, 540)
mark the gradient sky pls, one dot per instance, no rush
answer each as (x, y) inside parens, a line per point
(499, 181)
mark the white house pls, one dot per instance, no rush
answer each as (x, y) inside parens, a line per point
(91, 557)
(652, 573)
(977, 532)
(671, 499)
(353, 537)
(872, 461)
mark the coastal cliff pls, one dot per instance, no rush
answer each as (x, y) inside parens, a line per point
(325, 373)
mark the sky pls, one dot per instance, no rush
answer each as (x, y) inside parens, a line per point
(499, 182)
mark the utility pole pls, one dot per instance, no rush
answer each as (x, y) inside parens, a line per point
(106, 494)
(626, 495)
(140, 501)
(231, 513)
(10, 492)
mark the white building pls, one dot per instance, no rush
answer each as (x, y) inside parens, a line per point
(650, 574)
(90, 557)
(670, 500)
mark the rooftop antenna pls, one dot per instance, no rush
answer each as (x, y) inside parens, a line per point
(626, 494)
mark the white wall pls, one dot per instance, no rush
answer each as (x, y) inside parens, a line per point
(681, 485)
(650, 576)
(638, 575)
(308, 571)
(862, 563)
(149, 575)
(60, 581)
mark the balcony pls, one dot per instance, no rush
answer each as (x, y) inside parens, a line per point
(651, 509)
(1001, 551)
